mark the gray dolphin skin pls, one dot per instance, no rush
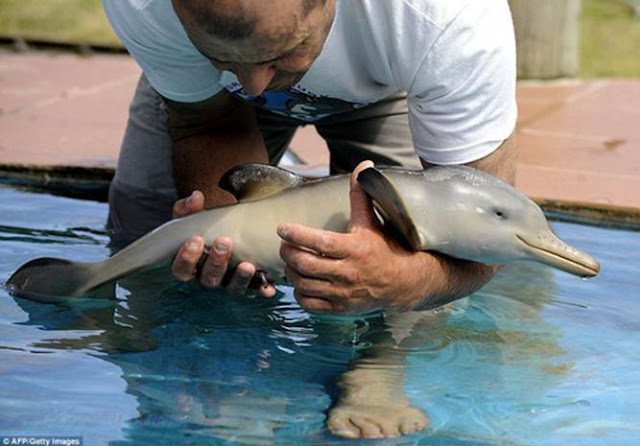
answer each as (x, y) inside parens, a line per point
(454, 210)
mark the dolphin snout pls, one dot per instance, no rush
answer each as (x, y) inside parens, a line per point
(550, 250)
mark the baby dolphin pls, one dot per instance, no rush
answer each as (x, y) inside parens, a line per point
(455, 210)
(469, 214)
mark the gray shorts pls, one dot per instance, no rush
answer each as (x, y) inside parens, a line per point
(142, 194)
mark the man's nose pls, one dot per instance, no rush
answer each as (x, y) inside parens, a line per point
(255, 78)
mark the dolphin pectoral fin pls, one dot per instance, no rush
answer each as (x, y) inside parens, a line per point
(391, 206)
(254, 181)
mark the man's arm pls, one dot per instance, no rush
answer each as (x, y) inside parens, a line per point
(471, 276)
(500, 163)
(209, 138)
(365, 270)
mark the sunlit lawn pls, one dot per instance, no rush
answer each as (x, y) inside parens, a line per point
(610, 33)
(610, 39)
(74, 21)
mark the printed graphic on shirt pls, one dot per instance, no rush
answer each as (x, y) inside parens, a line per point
(296, 102)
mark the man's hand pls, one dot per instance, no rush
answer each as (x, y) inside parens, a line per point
(362, 270)
(213, 270)
(366, 270)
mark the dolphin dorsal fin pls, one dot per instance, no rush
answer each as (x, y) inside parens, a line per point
(254, 181)
(391, 206)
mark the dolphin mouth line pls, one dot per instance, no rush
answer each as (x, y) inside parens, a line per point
(568, 264)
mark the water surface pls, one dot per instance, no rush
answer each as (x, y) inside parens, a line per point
(537, 357)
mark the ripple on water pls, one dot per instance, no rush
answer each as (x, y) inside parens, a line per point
(536, 357)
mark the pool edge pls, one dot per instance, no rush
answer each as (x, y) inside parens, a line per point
(94, 180)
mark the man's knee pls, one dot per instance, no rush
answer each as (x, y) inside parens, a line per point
(133, 213)
(379, 132)
(142, 193)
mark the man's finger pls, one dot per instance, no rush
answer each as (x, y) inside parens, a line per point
(309, 263)
(178, 208)
(267, 291)
(362, 214)
(217, 262)
(325, 243)
(310, 286)
(190, 205)
(184, 264)
(241, 278)
(313, 304)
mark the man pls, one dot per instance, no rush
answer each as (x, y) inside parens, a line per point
(402, 82)
(338, 64)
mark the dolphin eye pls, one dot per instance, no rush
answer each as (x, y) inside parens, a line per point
(499, 214)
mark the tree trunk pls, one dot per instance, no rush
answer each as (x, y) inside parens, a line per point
(547, 37)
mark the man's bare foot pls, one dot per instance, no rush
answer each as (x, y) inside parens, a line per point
(364, 421)
(373, 404)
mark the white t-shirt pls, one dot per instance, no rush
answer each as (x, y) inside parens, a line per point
(455, 59)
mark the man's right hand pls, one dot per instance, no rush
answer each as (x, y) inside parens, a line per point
(215, 267)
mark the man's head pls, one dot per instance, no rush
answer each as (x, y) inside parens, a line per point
(269, 45)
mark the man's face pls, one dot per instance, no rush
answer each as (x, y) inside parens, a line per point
(279, 51)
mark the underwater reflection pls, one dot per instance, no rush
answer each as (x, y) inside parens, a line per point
(204, 365)
(534, 358)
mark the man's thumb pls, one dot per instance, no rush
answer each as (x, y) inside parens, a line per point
(362, 214)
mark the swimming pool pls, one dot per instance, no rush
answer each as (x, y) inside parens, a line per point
(537, 357)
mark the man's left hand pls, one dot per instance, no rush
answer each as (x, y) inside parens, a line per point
(360, 271)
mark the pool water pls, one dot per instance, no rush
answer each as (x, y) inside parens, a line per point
(537, 357)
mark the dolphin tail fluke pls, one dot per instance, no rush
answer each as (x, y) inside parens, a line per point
(48, 279)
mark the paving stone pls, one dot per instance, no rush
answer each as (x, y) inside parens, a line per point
(578, 141)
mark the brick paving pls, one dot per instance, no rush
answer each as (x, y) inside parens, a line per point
(578, 141)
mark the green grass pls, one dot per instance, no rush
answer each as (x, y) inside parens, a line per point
(609, 40)
(70, 21)
(609, 44)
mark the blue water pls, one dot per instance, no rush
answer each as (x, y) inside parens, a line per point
(537, 357)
